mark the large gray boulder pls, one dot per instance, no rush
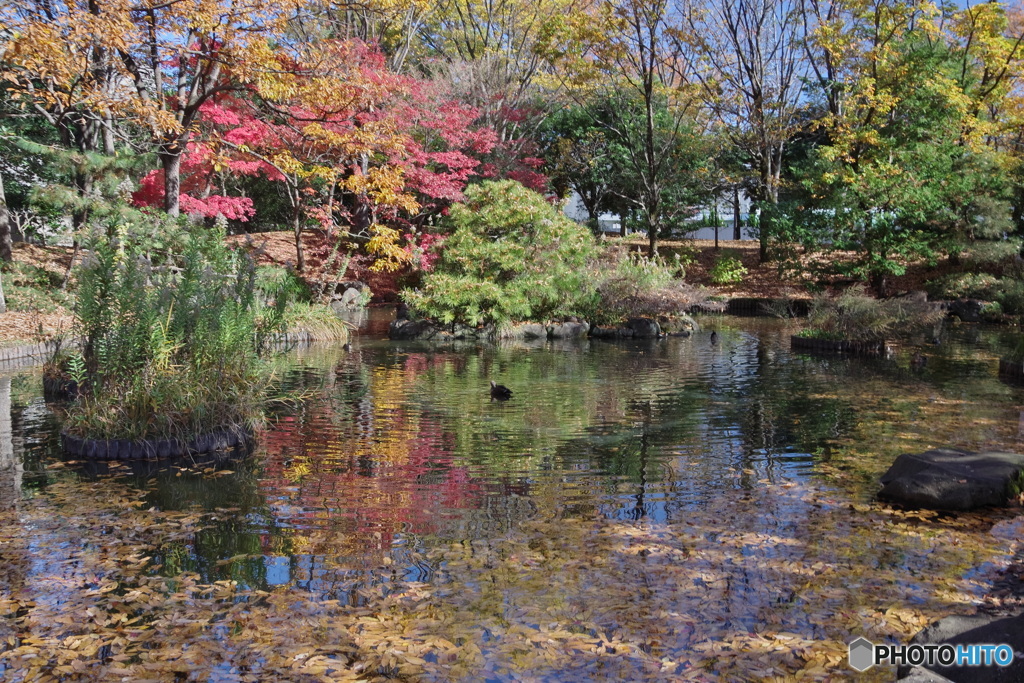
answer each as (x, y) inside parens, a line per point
(409, 329)
(611, 332)
(952, 479)
(344, 294)
(524, 331)
(965, 630)
(568, 330)
(425, 330)
(644, 328)
(919, 674)
(968, 310)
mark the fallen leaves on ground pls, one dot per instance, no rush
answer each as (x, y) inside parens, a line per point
(18, 328)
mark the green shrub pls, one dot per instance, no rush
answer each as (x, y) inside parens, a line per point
(964, 286)
(1012, 296)
(989, 254)
(991, 310)
(1006, 292)
(171, 346)
(727, 269)
(511, 256)
(282, 280)
(855, 316)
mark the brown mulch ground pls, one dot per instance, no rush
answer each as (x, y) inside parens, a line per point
(761, 280)
(765, 280)
(30, 327)
(278, 248)
(19, 328)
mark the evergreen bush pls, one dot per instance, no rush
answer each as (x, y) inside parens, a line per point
(511, 256)
(727, 269)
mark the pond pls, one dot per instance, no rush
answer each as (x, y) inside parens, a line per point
(664, 509)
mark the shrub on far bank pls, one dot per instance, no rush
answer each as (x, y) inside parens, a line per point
(727, 269)
(510, 256)
(964, 286)
(855, 316)
(1007, 292)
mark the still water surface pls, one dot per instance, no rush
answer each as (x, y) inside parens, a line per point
(397, 449)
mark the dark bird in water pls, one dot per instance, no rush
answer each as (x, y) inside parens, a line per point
(918, 361)
(347, 346)
(500, 391)
(714, 337)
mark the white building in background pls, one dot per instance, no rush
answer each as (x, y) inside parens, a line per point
(608, 222)
(611, 223)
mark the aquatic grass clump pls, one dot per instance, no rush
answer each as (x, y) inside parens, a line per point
(316, 322)
(173, 345)
(629, 285)
(853, 315)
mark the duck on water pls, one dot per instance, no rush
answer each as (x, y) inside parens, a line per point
(500, 391)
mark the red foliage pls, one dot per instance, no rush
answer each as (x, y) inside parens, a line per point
(425, 250)
(373, 117)
(199, 174)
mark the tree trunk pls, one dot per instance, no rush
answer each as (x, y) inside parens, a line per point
(766, 220)
(79, 217)
(737, 230)
(300, 257)
(3, 300)
(75, 244)
(770, 194)
(766, 224)
(5, 226)
(880, 283)
(171, 162)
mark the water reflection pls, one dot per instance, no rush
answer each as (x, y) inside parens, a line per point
(398, 446)
(11, 468)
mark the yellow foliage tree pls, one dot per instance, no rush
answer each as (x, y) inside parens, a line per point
(90, 67)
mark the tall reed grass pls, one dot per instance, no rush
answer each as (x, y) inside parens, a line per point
(173, 345)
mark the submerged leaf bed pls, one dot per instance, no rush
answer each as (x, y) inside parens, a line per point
(83, 596)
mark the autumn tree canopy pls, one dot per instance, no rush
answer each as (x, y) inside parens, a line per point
(368, 120)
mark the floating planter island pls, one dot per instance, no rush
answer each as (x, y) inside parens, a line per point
(860, 348)
(154, 449)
